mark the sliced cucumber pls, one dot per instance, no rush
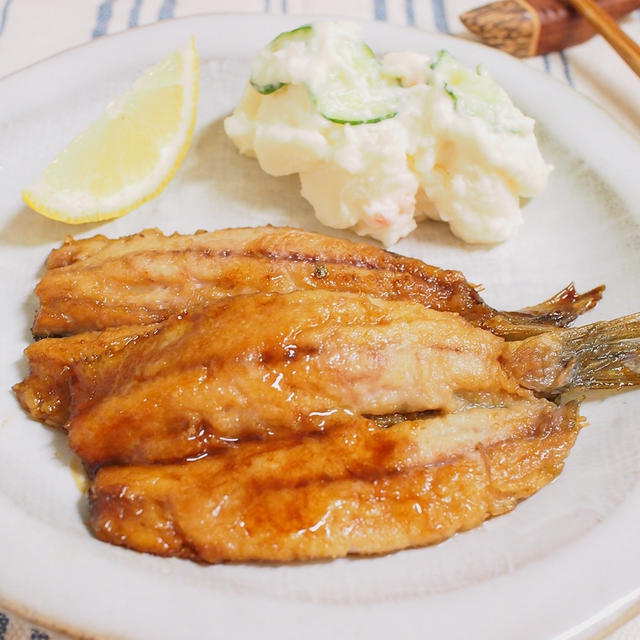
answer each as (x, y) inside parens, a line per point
(264, 74)
(475, 94)
(356, 91)
(347, 87)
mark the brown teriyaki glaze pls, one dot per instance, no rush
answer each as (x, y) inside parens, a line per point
(98, 283)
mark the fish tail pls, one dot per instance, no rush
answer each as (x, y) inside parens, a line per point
(603, 355)
(558, 311)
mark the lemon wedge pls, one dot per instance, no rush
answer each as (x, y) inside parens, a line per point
(130, 153)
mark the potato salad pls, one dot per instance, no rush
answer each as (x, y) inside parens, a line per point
(381, 143)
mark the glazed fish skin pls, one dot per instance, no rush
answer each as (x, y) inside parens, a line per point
(272, 365)
(355, 489)
(210, 416)
(44, 393)
(98, 283)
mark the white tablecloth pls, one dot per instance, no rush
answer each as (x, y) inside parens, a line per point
(31, 30)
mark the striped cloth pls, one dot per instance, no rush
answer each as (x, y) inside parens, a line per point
(31, 30)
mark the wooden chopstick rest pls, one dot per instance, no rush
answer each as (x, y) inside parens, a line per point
(533, 27)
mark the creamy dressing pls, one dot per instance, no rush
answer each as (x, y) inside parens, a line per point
(430, 160)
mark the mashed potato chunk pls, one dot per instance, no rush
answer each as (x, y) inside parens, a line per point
(379, 144)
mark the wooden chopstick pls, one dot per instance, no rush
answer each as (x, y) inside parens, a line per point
(608, 28)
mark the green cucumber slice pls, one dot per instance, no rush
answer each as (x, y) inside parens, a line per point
(357, 92)
(351, 89)
(475, 94)
(262, 73)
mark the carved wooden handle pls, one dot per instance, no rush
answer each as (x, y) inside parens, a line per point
(533, 27)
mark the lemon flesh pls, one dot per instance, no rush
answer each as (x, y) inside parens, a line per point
(130, 153)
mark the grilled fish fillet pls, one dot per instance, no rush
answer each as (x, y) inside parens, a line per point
(269, 365)
(279, 363)
(99, 283)
(271, 394)
(354, 489)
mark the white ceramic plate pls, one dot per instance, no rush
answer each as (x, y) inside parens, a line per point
(563, 564)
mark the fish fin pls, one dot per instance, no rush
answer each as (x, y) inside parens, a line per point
(563, 307)
(558, 311)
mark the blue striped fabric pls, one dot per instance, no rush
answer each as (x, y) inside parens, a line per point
(411, 16)
(134, 14)
(166, 9)
(102, 19)
(439, 16)
(3, 17)
(442, 17)
(380, 9)
(565, 67)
